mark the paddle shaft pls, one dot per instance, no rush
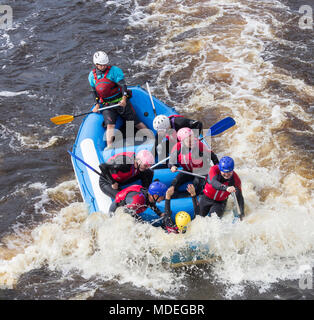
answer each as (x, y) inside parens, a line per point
(192, 174)
(101, 109)
(236, 203)
(157, 220)
(87, 165)
(151, 98)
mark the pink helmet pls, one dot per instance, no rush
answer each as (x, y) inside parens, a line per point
(145, 157)
(183, 133)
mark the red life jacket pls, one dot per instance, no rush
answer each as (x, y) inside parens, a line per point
(105, 88)
(121, 176)
(185, 160)
(220, 195)
(120, 197)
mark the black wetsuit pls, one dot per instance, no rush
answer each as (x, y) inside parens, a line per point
(121, 164)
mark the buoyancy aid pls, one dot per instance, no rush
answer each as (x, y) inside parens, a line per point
(105, 88)
(187, 161)
(123, 175)
(220, 195)
(139, 200)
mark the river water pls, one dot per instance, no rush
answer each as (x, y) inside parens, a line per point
(207, 58)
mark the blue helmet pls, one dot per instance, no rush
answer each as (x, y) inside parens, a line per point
(158, 188)
(226, 164)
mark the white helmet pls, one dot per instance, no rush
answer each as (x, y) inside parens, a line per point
(161, 122)
(100, 57)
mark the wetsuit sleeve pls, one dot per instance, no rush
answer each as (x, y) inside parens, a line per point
(91, 80)
(106, 174)
(95, 95)
(103, 184)
(167, 222)
(155, 209)
(213, 180)
(196, 206)
(113, 207)
(92, 84)
(214, 158)
(146, 177)
(167, 207)
(181, 122)
(124, 87)
(240, 201)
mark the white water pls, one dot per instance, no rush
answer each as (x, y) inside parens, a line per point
(228, 78)
(18, 141)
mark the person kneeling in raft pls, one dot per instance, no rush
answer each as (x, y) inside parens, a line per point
(122, 169)
(221, 182)
(137, 199)
(182, 218)
(191, 154)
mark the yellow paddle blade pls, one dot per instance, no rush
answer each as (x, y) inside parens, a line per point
(64, 118)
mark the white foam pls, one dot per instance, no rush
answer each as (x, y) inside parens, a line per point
(12, 93)
(228, 77)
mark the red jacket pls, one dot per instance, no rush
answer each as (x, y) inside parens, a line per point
(137, 189)
(215, 177)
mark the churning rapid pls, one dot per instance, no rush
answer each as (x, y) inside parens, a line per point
(209, 59)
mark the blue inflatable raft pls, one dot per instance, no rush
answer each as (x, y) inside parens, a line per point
(90, 144)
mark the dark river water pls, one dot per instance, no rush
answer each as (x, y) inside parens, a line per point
(252, 60)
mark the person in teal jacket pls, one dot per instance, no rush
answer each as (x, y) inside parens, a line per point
(108, 88)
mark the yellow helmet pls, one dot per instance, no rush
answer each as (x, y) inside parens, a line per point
(182, 220)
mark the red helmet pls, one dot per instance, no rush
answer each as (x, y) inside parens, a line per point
(138, 203)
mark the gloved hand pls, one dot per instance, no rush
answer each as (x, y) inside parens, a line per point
(169, 226)
(172, 229)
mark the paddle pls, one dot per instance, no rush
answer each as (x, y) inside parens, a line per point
(192, 174)
(156, 220)
(237, 211)
(87, 165)
(214, 130)
(66, 118)
(151, 99)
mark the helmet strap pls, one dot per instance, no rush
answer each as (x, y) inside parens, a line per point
(154, 200)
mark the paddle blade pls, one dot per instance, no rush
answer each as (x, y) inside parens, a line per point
(65, 118)
(221, 126)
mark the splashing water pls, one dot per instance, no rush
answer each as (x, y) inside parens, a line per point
(208, 62)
